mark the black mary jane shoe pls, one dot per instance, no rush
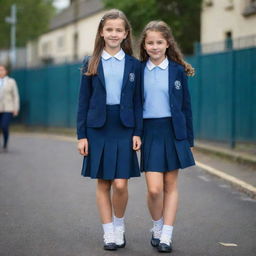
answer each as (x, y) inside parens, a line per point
(154, 241)
(110, 247)
(122, 245)
(164, 247)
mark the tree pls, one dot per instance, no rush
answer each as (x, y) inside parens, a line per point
(183, 16)
(32, 20)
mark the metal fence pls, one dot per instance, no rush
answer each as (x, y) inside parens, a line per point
(223, 95)
(227, 45)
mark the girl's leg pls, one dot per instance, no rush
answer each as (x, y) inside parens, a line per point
(119, 201)
(120, 196)
(105, 210)
(155, 194)
(155, 204)
(103, 200)
(169, 209)
(170, 197)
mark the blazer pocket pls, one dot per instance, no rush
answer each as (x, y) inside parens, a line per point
(92, 114)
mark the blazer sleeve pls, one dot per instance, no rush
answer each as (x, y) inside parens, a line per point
(187, 110)
(83, 101)
(16, 98)
(138, 102)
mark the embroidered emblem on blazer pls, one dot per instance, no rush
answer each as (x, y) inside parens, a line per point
(177, 85)
(131, 77)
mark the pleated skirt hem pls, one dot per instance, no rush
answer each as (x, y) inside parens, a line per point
(110, 153)
(161, 152)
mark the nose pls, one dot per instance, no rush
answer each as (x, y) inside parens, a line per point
(113, 34)
(154, 46)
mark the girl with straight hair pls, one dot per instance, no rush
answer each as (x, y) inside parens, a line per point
(109, 122)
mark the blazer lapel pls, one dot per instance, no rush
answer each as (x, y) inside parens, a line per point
(101, 74)
(127, 69)
(143, 66)
(172, 75)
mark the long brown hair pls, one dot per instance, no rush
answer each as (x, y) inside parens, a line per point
(173, 52)
(126, 44)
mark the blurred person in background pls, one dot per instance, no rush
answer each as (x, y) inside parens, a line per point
(9, 103)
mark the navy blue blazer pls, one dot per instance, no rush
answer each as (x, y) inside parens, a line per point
(180, 103)
(92, 99)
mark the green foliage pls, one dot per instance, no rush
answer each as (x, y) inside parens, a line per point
(32, 20)
(183, 16)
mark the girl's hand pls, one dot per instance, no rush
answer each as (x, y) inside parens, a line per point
(82, 147)
(15, 113)
(136, 143)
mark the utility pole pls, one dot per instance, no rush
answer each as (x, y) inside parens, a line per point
(13, 20)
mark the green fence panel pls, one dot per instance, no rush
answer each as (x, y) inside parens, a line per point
(245, 94)
(223, 95)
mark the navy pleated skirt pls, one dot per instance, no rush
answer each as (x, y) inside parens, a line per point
(110, 150)
(161, 152)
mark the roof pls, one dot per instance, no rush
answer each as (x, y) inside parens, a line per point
(79, 9)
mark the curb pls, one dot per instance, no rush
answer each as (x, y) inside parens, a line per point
(238, 157)
(241, 185)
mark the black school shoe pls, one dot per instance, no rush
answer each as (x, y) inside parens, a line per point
(122, 245)
(154, 241)
(164, 247)
(110, 247)
(109, 242)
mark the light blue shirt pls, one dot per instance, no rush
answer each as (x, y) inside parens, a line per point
(113, 68)
(2, 81)
(156, 90)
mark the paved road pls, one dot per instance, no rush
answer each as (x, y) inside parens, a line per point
(48, 209)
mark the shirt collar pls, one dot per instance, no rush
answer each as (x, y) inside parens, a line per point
(163, 65)
(120, 55)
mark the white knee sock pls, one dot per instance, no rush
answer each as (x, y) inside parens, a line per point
(158, 224)
(166, 236)
(118, 222)
(108, 227)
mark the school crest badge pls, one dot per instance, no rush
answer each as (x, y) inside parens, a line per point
(177, 85)
(131, 77)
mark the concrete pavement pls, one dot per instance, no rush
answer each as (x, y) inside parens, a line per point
(47, 208)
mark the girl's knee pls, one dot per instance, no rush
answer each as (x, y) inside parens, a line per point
(170, 187)
(155, 192)
(120, 186)
(104, 185)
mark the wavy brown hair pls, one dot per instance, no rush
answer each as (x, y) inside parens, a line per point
(173, 52)
(99, 45)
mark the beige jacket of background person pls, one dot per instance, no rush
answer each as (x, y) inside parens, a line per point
(9, 96)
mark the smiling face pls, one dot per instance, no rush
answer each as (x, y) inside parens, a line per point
(113, 33)
(155, 46)
(3, 71)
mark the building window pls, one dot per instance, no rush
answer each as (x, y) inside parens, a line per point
(229, 5)
(60, 42)
(250, 8)
(46, 48)
(228, 40)
(75, 46)
(208, 3)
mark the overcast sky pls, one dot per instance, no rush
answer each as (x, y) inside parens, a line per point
(60, 4)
